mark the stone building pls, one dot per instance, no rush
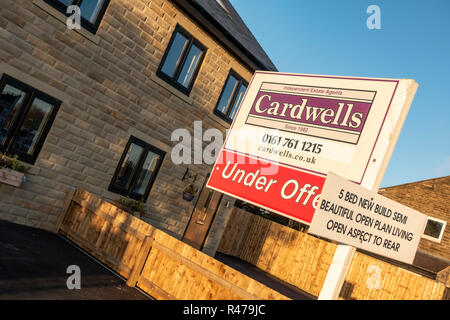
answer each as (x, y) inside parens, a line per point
(431, 197)
(95, 107)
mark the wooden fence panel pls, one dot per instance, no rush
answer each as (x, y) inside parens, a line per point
(295, 257)
(107, 232)
(182, 272)
(161, 265)
(370, 278)
(303, 261)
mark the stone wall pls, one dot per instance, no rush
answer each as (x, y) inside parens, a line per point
(109, 91)
(431, 197)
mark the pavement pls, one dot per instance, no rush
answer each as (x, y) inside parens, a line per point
(34, 263)
(34, 266)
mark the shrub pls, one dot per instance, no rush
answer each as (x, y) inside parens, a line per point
(12, 163)
(132, 205)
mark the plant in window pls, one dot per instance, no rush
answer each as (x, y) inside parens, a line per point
(12, 172)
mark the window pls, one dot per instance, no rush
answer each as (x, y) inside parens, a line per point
(26, 115)
(434, 229)
(181, 61)
(91, 11)
(231, 97)
(137, 170)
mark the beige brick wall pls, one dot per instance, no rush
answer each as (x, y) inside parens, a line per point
(431, 197)
(109, 90)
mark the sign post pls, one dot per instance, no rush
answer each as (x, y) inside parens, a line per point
(337, 272)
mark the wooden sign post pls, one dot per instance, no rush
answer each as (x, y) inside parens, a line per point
(337, 272)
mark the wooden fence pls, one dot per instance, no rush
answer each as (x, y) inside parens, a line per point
(303, 261)
(159, 264)
(372, 279)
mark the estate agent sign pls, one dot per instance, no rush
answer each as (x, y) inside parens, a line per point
(353, 215)
(292, 129)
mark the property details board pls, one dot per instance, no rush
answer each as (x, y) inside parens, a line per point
(292, 129)
(353, 215)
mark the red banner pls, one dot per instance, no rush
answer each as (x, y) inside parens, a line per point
(276, 187)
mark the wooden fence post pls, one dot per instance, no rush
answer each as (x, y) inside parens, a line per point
(140, 261)
(64, 210)
(443, 277)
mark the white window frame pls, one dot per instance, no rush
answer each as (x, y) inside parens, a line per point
(444, 224)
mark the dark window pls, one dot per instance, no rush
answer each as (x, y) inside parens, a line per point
(434, 229)
(137, 169)
(26, 115)
(181, 61)
(231, 97)
(91, 11)
(270, 215)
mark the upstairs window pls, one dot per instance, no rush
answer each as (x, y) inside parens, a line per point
(91, 11)
(26, 115)
(181, 61)
(434, 229)
(137, 169)
(231, 97)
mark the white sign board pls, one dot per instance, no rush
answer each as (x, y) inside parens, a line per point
(351, 214)
(291, 129)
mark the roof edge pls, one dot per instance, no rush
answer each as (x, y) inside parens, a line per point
(414, 182)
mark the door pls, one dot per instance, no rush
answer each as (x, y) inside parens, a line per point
(202, 217)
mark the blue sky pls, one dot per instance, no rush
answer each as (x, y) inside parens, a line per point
(331, 37)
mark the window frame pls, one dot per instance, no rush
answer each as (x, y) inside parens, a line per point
(444, 224)
(147, 147)
(173, 80)
(86, 24)
(226, 116)
(13, 132)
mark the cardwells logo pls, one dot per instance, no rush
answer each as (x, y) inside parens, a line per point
(323, 112)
